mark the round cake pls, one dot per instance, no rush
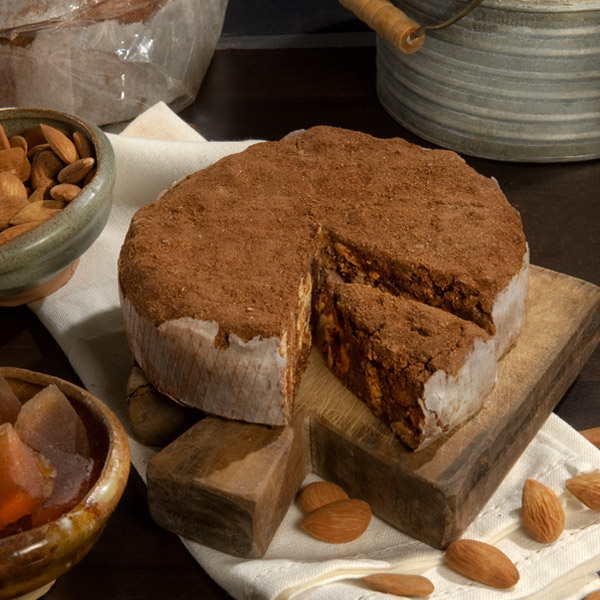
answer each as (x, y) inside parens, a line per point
(223, 277)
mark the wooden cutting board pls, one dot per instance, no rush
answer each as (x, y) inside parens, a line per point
(228, 484)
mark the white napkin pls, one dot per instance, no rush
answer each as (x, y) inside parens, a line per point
(84, 316)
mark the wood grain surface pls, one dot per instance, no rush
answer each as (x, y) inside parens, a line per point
(228, 484)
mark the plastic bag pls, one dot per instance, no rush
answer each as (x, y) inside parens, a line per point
(106, 60)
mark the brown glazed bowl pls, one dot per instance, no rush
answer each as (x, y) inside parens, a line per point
(30, 561)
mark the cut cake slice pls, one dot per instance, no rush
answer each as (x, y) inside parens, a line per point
(420, 369)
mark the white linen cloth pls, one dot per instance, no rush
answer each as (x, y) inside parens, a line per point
(84, 317)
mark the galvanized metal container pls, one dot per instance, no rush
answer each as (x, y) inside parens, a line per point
(514, 80)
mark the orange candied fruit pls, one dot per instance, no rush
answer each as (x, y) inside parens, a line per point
(49, 420)
(25, 477)
(46, 466)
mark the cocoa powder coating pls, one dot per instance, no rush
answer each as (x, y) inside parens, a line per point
(385, 348)
(231, 243)
(402, 334)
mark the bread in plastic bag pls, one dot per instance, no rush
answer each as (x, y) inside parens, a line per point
(106, 60)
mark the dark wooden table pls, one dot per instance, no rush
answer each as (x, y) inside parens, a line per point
(264, 94)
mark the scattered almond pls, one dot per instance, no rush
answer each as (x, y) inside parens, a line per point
(592, 435)
(11, 185)
(410, 586)
(65, 191)
(593, 596)
(586, 488)
(60, 143)
(543, 513)
(482, 562)
(338, 522)
(319, 493)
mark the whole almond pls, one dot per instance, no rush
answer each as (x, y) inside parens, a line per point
(592, 435)
(35, 150)
(338, 522)
(15, 161)
(543, 513)
(39, 194)
(60, 143)
(34, 136)
(410, 586)
(12, 232)
(319, 493)
(9, 207)
(89, 177)
(4, 141)
(65, 191)
(36, 211)
(83, 145)
(35, 184)
(586, 488)
(18, 141)
(11, 185)
(593, 596)
(76, 171)
(482, 562)
(45, 168)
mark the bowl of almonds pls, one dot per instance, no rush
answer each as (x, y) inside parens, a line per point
(57, 172)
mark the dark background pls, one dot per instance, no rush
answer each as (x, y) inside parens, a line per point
(278, 17)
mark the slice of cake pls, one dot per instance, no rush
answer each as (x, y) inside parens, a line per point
(217, 276)
(420, 369)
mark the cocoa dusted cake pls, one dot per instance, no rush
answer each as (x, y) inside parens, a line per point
(420, 369)
(223, 277)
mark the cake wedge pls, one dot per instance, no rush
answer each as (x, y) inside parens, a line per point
(421, 370)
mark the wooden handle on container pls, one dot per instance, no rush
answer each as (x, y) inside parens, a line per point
(388, 21)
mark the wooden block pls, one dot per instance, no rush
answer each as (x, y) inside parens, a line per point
(228, 484)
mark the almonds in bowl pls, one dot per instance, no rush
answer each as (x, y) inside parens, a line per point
(56, 178)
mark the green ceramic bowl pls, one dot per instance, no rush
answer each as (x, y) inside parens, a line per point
(39, 261)
(32, 560)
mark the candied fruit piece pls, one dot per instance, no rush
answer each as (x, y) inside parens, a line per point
(25, 477)
(48, 419)
(9, 403)
(72, 481)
